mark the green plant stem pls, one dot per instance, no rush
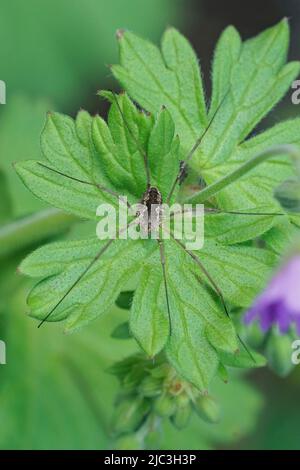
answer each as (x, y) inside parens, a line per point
(32, 229)
(290, 150)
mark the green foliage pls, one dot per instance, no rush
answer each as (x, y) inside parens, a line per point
(62, 263)
(49, 388)
(281, 237)
(208, 409)
(125, 299)
(65, 149)
(278, 352)
(88, 149)
(236, 395)
(121, 331)
(153, 396)
(172, 79)
(63, 381)
(169, 85)
(248, 80)
(288, 194)
(48, 373)
(54, 392)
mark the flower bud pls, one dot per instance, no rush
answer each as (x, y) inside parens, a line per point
(182, 416)
(129, 414)
(208, 409)
(278, 352)
(222, 373)
(150, 387)
(164, 406)
(288, 195)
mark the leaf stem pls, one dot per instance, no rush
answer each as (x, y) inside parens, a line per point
(32, 229)
(206, 193)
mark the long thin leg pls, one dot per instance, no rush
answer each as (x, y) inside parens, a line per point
(93, 261)
(220, 211)
(103, 249)
(140, 148)
(99, 186)
(163, 265)
(204, 270)
(215, 286)
(184, 163)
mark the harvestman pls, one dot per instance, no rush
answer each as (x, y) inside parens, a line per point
(152, 196)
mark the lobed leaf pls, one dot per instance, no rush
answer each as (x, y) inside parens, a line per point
(60, 264)
(169, 78)
(239, 271)
(248, 80)
(118, 145)
(70, 196)
(226, 55)
(243, 359)
(149, 321)
(199, 325)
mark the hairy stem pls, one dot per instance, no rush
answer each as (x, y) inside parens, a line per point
(290, 150)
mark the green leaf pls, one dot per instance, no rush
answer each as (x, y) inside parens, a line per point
(70, 196)
(258, 81)
(259, 185)
(149, 321)
(171, 78)
(66, 151)
(226, 55)
(118, 146)
(93, 152)
(62, 147)
(163, 153)
(125, 299)
(202, 336)
(248, 80)
(239, 271)
(72, 147)
(121, 332)
(60, 264)
(199, 325)
(121, 147)
(243, 359)
(281, 237)
(229, 229)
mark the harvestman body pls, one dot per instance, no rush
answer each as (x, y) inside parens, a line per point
(152, 200)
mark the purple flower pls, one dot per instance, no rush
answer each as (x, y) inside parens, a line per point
(280, 302)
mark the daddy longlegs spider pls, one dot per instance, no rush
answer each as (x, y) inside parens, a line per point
(152, 196)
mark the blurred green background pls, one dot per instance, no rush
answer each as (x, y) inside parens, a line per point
(55, 392)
